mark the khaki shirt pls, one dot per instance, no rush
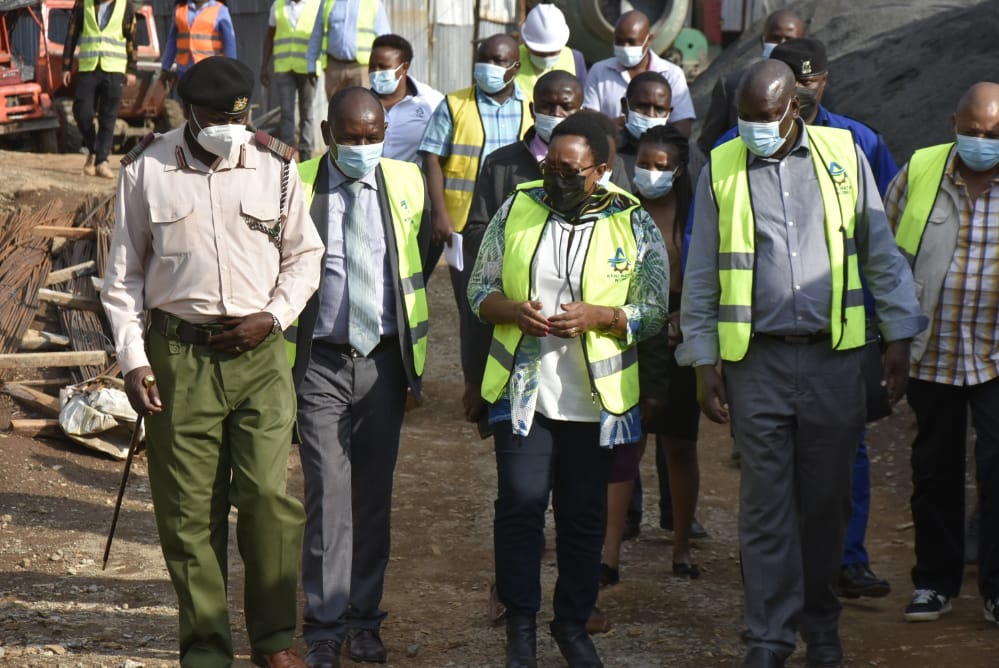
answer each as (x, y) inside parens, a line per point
(182, 242)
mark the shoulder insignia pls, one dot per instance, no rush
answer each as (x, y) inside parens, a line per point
(137, 150)
(274, 145)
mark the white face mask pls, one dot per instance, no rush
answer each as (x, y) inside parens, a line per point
(768, 48)
(544, 124)
(221, 140)
(605, 179)
(544, 63)
(629, 56)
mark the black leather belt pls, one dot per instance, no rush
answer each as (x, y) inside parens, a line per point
(798, 339)
(175, 328)
(351, 351)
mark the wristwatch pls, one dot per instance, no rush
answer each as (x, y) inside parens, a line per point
(276, 327)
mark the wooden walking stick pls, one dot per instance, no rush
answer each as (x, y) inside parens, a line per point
(133, 445)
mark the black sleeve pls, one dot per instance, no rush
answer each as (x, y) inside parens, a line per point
(128, 30)
(72, 34)
(653, 366)
(716, 120)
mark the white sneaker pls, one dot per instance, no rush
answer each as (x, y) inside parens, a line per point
(927, 605)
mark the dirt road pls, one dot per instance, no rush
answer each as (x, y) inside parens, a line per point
(57, 608)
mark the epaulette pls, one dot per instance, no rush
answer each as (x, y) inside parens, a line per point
(137, 150)
(274, 145)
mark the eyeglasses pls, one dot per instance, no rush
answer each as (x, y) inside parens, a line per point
(564, 171)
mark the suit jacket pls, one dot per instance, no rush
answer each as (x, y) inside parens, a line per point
(310, 314)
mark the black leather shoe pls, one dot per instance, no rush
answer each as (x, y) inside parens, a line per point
(761, 657)
(856, 580)
(366, 645)
(824, 650)
(575, 644)
(323, 654)
(521, 641)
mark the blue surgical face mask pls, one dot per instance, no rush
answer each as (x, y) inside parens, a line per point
(652, 183)
(384, 82)
(604, 180)
(978, 153)
(629, 56)
(768, 48)
(490, 78)
(638, 123)
(543, 63)
(357, 161)
(544, 124)
(764, 139)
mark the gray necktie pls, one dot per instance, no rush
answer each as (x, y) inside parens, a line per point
(363, 315)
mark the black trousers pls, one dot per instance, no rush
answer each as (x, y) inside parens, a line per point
(938, 488)
(99, 92)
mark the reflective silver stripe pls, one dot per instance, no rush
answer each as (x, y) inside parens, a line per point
(731, 313)
(500, 354)
(466, 149)
(462, 185)
(854, 297)
(102, 54)
(97, 40)
(205, 53)
(301, 41)
(411, 284)
(616, 364)
(735, 260)
(205, 36)
(851, 246)
(420, 331)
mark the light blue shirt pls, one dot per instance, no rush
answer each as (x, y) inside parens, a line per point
(500, 123)
(335, 292)
(341, 29)
(223, 25)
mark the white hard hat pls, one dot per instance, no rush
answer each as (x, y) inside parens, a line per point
(545, 29)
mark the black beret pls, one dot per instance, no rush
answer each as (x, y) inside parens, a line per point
(805, 56)
(218, 83)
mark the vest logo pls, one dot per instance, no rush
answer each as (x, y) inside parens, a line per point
(839, 178)
(619, 263)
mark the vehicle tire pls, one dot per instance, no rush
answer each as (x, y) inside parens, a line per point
(70, 138)
(170, 117)
(47, 140)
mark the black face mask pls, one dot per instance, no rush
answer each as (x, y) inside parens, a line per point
(565, 194)
(808, 101)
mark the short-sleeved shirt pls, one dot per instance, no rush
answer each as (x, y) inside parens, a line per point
(408, 119)
(292, 9)
(501, 123)
(608, 80)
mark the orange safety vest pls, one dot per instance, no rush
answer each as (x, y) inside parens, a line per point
(197, 42)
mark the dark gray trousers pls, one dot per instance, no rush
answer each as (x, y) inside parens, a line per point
(796, 411)
(350, 412)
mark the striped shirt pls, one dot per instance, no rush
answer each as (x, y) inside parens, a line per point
(963, 347)
(500, 122)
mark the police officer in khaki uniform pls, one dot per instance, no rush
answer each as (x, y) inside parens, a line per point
(213, 254)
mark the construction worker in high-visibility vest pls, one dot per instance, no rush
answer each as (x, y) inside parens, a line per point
(287, 40)
(200, 28)
(341, 41)
(105, 32)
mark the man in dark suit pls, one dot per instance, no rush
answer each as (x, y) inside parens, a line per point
(361, 341)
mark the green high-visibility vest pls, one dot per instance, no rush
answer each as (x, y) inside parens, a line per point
(405, 193)
(835, 158)
(608, 267)
(103, 49)
(291, 45)
(926, 171)
(366, 13)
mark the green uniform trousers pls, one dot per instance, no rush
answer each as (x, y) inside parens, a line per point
(222, 440)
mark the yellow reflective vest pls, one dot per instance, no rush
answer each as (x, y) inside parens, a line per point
(461, 167)
(527, 76)
(926, 171)
(366, 13)
(291, 45)
(103, 49)
(405, 194)
(835, 158)
(608, 268)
